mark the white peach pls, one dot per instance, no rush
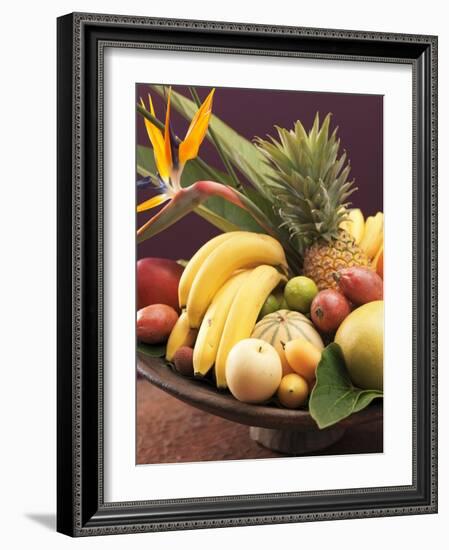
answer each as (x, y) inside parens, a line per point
(253, 370)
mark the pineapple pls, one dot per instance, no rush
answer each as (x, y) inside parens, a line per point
(309, 188)
(321, 260)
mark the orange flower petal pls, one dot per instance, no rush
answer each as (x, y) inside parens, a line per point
(188, 148)
(167, 142)
(152, 203)
(157, 141)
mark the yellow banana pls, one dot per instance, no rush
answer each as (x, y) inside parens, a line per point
(243, 314)
(181, 335)
(245, 250)
(197, 260)
(380, 243)
(377, 256)
(373, 236)
(355, 224)
(209, 335)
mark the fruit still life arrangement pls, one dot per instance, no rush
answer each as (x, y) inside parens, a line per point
(284, 307)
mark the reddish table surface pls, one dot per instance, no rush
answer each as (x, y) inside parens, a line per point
(168, 430)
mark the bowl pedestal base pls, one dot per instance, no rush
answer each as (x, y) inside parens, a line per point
(296, 442)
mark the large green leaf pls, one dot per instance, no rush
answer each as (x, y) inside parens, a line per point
(216, 210)
(233, 214)
(334, 397)
(214, 219)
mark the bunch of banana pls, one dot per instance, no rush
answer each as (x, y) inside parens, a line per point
(373, 236)
(369, 234)
(208, 271)
(223, 289)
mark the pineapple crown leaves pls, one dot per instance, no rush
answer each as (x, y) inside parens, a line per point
(308, 182)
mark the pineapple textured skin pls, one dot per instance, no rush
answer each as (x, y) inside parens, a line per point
(323, 259)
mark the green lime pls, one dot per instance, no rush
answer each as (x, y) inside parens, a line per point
(283, 303)
(299, 293)
(270, 306)
(279, 295)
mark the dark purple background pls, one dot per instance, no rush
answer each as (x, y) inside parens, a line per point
(254, 113)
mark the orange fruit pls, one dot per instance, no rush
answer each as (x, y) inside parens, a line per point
(293, 391)
(303, 357)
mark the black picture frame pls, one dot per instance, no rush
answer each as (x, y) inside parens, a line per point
(81, 509)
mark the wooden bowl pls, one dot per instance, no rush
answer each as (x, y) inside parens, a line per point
(284, 430)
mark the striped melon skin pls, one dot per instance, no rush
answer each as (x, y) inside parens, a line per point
(282, 326)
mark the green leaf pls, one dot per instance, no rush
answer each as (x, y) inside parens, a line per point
(216, 220)
(155, 350)
(233, 215)
(334, 397)
(145, 161)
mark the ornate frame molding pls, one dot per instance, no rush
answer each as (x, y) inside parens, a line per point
(82, 511)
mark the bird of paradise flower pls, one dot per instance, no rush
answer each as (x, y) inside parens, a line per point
(171, 155)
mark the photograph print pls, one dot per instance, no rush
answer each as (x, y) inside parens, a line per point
(259, 241)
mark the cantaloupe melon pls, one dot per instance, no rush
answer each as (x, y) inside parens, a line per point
(280, 327)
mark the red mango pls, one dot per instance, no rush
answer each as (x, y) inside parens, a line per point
(157, 282)
(360, 285)
(155, 323)
(328, 310)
